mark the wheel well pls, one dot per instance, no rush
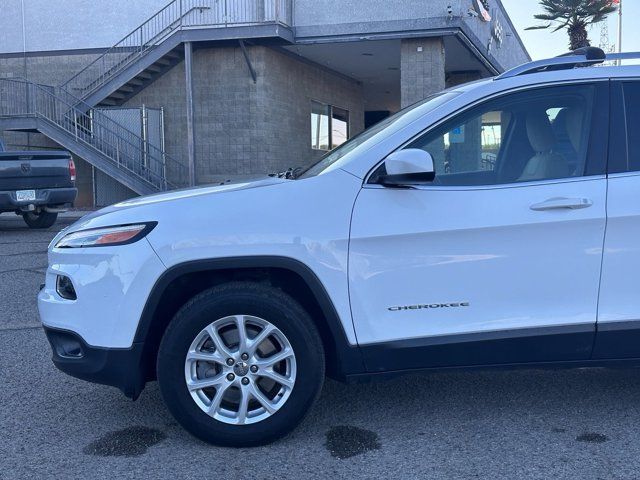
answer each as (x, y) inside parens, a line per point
(186, 286)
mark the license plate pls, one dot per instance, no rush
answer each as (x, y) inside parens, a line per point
(25, 195)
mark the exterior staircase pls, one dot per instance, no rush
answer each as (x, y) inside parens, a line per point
(66, 115)
(155, 47)
(142, 79)
(89, 134)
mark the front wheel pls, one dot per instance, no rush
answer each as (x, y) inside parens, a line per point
(40, 220)
(240, 365)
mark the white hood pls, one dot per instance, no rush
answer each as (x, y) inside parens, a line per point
(92, 219)
(196, 192)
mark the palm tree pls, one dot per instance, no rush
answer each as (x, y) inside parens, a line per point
(575, 16)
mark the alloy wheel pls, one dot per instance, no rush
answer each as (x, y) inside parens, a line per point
(240, 369)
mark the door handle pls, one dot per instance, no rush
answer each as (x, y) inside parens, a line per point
(562, 202)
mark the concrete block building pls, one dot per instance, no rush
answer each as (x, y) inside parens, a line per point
(151, 96)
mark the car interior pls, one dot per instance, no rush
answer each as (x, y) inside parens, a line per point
(524, 137)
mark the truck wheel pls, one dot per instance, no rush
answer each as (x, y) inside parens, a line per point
(40, 220)
(240, 365)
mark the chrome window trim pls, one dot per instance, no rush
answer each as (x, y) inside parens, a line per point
(466, 188)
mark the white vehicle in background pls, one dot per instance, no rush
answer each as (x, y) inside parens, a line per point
(385, 261)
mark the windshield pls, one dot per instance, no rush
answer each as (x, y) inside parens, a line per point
(332, 157)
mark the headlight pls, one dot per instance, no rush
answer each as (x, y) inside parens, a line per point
(106, 236)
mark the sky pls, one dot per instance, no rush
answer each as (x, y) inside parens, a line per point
(544, 44)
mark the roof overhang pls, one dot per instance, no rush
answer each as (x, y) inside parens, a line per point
(414, 28)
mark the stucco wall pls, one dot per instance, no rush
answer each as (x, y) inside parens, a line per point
(331, 12)
(70, 24)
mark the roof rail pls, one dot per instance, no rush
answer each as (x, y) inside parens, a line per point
(583, 57)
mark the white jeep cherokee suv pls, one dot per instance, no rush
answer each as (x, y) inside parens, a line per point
(494, 224)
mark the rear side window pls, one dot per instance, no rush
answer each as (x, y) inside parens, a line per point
(625, 129)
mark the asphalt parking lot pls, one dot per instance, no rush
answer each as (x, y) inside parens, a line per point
(523, 424)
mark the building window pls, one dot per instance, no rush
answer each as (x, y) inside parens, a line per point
(320, 126)
(329, 126)
(339, 126)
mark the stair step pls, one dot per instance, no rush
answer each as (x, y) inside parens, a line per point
(144, 75)
(141, 71)
(174, 55)
(118, 95)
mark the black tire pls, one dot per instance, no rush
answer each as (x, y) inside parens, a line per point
(241, 298)
(40, 220)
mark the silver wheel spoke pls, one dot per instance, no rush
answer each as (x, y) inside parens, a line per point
(242, 333)
(199, 384)
(264, 401)
(261, 337)
(274, 359)
(217, 341)
(217, 399)
(205, 357)
(243, 408)
(276, 377)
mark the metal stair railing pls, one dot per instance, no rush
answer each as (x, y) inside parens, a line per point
(126, 51)
(127, 151)
(178, 14)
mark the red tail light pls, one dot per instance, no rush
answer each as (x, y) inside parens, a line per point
(72, 170)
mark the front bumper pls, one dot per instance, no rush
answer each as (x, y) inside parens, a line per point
(118, 367)
(93, 336)
(112, 284)
(45, 196)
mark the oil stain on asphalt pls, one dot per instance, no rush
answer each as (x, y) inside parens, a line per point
(128, 442)
(345, 441)
(592, 438)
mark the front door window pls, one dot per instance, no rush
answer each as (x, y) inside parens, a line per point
(523, 137)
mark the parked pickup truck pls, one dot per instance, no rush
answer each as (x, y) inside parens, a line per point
(37, 185)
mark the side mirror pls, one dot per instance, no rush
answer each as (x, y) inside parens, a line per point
(411, 166)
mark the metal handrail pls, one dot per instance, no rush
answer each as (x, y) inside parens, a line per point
(174, 16)
(123, 148)
(145, 151)
(118, 51)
